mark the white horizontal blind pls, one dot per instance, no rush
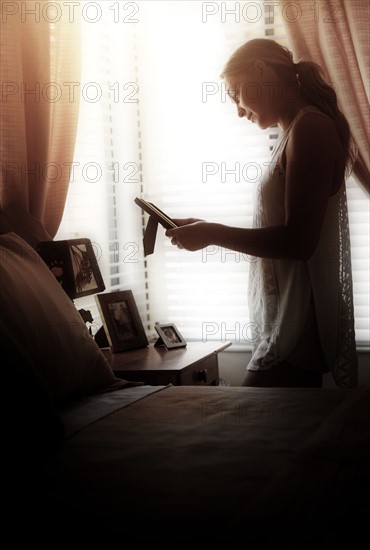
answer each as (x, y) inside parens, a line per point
(200, 159)
(184, 148)
(107, 172)
(359, 224)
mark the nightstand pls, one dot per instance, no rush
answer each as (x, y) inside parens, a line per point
(194, 365)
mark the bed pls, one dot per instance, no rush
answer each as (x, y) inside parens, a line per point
(94, 458)
(280, 466)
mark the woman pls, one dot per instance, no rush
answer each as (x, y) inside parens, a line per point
(300, 289)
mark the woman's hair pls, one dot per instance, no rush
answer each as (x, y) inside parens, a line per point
(306, 75)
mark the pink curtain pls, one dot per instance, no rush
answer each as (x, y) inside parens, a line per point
(40, 71)
(336, 36)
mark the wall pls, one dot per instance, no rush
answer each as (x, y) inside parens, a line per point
(232, 367)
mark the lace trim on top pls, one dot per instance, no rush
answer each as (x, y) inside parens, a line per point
(345, 367)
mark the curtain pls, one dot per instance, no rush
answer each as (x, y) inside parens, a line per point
(336, 36)
(39, 110)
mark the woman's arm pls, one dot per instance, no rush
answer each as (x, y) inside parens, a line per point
(311, 155)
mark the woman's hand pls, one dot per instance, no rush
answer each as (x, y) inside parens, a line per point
(191, 234)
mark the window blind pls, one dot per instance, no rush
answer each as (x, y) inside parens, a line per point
(359, 226)
(106, 174)
(200, 160)
(165, 128)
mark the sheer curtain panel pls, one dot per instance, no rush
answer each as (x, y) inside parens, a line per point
(40, 60)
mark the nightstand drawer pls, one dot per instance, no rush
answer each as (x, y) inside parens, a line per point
(203, 373)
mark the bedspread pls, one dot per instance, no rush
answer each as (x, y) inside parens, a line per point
(220, 458)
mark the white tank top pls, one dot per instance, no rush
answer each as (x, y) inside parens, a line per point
(302, 311)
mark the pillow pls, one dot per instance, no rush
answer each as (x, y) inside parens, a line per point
(47, 326)
(13, 218)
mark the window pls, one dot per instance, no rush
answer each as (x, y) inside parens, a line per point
(155, 120)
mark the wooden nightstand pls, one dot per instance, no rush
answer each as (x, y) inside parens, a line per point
(194, 365)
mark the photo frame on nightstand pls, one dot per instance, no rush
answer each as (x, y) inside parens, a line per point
(121, 320)
(169, 336)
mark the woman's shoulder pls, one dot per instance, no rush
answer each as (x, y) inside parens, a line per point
(312, 126)
(311, 118)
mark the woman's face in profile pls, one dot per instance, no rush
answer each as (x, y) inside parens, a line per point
(254, 94)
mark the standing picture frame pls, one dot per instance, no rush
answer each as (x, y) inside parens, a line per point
(121, 320)
(74, 265)
(169, 336)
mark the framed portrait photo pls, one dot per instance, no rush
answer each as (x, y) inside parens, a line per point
(121, 320)
(169, 336)
(74, 265)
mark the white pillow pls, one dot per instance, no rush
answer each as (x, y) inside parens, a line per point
(47, 325)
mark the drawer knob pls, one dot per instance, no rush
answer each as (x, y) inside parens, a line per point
(203, 375)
